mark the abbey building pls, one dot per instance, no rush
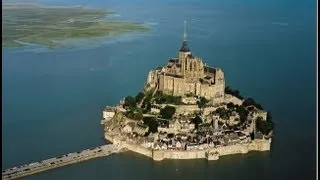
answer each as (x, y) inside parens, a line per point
(187, 75)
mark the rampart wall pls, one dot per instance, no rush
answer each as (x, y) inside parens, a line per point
(233, 99)
(158, 155)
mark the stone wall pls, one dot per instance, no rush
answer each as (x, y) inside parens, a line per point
(233, 99)
(158, 155)
(152, 79)
(167, 130)
(260, 145)
(208, 110)
(182, 109)
(256, 145)
(179, 87)
(130, 146)
(260, 113)
(189, 100)
(137, 148)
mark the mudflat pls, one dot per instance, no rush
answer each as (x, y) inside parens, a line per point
(47, 25)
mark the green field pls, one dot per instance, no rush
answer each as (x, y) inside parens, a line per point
(30, 23)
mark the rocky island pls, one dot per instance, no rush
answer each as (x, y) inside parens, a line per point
(186, 111)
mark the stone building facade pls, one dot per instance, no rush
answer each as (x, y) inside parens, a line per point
(187, 74)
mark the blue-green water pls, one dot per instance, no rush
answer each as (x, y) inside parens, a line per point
(52, 100)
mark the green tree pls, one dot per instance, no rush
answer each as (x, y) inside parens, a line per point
(243, 113)
(251, 102)
(231, 106)
(139, 97)
(265, 127)
(147, 100)
(162, 98)
(197, 121)
(202, 102)
(235, 93)
(152, 123)
(171, 135)
(223, 112)
(167, 112)
(130, 102)
(147, 108)
(135, 114)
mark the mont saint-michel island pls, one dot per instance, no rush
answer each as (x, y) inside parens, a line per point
(186, 111)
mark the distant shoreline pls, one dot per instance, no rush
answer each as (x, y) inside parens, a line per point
(53, 24)
(7, 5)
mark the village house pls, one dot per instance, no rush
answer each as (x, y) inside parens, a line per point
(108, 113)
(178, 144)
(234, 118)
(141, 129)
(149, 142)
(155, 109)
(156, 146)
(128, 128)
(232, 138)
(162, 135)
(192, 126)
(204, 146)
(164, 146)
(191, 146)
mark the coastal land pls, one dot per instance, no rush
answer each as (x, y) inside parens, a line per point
(186, 111)
(25, 24)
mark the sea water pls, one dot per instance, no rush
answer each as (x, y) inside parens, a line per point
(52, 100)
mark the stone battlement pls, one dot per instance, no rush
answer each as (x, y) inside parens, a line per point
(159, 155)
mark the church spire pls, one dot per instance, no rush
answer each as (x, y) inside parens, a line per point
(185, 31)
(185, 47)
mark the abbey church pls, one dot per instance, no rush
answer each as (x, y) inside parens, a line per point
(187, 75)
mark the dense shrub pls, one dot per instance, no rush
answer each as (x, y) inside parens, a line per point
(251, 102)
(202, 102)
(147, 107)
(243, 113)
(167, 112)
(161, 98)
(223, 112)
(152, 123)
(265, 127)
(235, 93)
(135, 114)
(130, 102)
(139, 97)
(197, 121)
(231, 106)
